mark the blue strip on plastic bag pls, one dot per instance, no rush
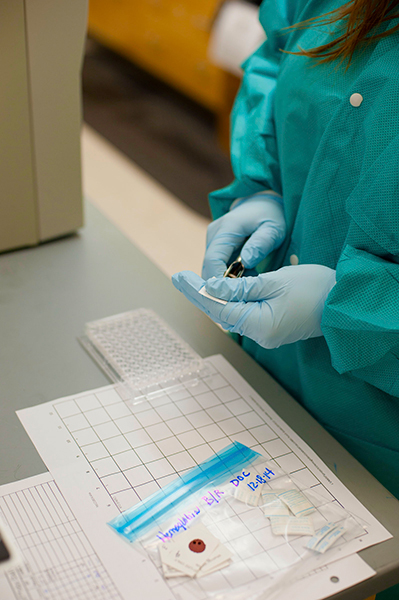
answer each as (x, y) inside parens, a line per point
(136, 521)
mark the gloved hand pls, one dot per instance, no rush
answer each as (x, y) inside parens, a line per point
(259, 217)
(276, 308)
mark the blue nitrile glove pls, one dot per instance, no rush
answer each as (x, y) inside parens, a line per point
(259, 218)
(273, 309)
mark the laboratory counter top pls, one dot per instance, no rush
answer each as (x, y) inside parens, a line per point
(48, 293)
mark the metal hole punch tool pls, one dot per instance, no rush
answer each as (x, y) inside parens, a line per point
(235, 270)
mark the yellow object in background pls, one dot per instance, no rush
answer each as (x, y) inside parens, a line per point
(169, 39)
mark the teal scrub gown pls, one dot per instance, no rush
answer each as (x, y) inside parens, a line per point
(327, 139)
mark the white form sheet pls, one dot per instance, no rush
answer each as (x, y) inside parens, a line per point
(60, 562)
(106, 454)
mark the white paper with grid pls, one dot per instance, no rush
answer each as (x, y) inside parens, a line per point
(59, 562)
(116, 453)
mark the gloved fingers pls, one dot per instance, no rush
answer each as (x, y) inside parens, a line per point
(230, 316)
(223, 228)
(253, 319)
(261, 243)
(250, 272)
(212, 230)
(189, 284)
(246, 289)
(192, 280)
(219, 252)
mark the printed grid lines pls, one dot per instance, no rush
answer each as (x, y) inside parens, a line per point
(136, 450)
(145, 450)
(59, 561)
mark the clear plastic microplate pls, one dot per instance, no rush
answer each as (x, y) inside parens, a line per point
(142, 354)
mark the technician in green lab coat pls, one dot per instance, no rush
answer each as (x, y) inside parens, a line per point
(315, 153)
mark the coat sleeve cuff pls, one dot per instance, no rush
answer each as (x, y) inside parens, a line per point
(361, 315)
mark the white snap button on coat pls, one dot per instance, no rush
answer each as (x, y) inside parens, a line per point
(356, 99)
(294, 260)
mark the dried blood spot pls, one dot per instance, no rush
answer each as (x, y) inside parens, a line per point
(197, 546)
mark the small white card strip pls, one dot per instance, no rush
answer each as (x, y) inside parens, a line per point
(248, 496)
(326, 537)
(298, 504)
(202, 572)
(169, 572)
(204, 293)
(219, 560)
(330, 539)
(272, 506)
(292, 525)
(327, 528)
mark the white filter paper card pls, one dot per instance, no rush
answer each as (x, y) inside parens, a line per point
(219, 560)
(326, 537)
(204, 293)
(292, 526)
(298, 504)
(190, 550)
(272, 506)
(248, 496)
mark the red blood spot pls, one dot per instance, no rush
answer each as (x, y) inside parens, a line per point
(197, 546)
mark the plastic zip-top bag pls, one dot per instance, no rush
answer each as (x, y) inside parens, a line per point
(195, 529)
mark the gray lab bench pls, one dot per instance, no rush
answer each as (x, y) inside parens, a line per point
(48, 293)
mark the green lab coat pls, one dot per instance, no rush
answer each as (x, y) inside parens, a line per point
(295, 131)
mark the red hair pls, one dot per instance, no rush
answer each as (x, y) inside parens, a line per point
(361, 22)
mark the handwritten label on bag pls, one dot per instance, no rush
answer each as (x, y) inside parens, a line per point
(248, 496)
(252, 479)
